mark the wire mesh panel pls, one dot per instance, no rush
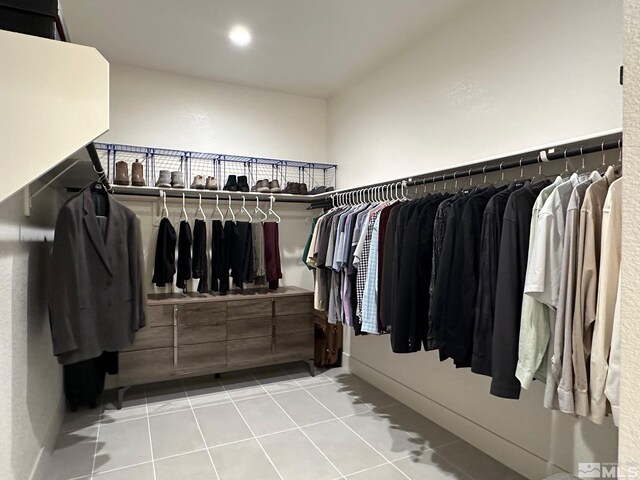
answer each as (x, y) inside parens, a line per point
(215, 165)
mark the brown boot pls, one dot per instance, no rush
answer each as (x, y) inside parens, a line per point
(122, 173)
(137, 174)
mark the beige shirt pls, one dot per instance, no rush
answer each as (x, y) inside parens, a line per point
(588, 262)
(607, 294)
(561, 364)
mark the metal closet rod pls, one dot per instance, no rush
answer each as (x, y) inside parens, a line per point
(562, 154)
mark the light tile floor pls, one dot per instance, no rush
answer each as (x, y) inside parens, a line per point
(271, 423)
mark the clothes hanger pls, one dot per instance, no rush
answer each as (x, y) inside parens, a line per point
(184, 210)
(582, 170)
(469, 188)
(243, 209)
(230, 210)
(566, 174)
(502, 182)
(200, 210)
(484, 183)
(218, 211)
(258, 210)
(165, 210)
(272, 199)
(540, 177)
(602, 168)
(521, 178)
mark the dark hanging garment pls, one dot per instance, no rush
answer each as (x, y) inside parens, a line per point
(185, 240)
(385, 215)
(84, 381)
(233, 264)
(165, 260)
(219, 259)
(242, 265)
(512, 268)
(272, 254)
(200, 263)
(487, 276)
(385, 293)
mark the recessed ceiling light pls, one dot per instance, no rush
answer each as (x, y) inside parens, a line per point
(240, 36)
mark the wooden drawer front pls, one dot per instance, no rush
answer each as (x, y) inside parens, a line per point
(202, 313)
(249, 309)
(145, 365)
(159, 315)
(152, 337)
(202, 355)
(249, 328)
(301, 323)
(249, 351)
(190, 334)
(295, 346)
(293, 305)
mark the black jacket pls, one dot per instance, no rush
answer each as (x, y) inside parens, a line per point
(164, 267)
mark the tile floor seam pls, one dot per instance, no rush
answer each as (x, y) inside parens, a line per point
(153, 463)
(368, 468)
(204, 441)
(98, 474)
(445, 460)
(358, 435)
(301, 430)
(252, 432)
(95, 450)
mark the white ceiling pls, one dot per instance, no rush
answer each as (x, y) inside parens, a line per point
(306, 47)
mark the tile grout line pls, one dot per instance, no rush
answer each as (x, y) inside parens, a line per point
(204, 441)
(251, 431)
(301, 430)
(356, 433)
(95, 451)
(153, 462)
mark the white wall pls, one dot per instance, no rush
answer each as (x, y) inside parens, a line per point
(155, 109)
(504, 76)
(630, 327)
(31, 387)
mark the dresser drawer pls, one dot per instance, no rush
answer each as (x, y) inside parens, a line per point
(193, 334)
(294, 305)
(249, 327)
(159, 315)
(249, 351)
(143, 366)
(300, 323)
(295, 346)
(202, 355)
(249, 308)
(152, 337)
(202, 313)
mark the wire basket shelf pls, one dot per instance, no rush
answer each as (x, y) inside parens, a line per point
(215, 165)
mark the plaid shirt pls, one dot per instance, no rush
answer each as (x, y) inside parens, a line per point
(363, 263)
(370, 295)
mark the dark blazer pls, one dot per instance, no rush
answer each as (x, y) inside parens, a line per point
(96, 296)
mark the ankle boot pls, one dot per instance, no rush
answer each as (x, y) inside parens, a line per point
(198, 182)
(137, 174)
(177, 179)
(243, 185)
(122, 173)
(212, 183)
(232, 184)
(164, 179)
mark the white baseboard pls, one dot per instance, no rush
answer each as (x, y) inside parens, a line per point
(515, 457)
(39, 471)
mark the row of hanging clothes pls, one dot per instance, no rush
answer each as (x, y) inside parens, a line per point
(243, 247)
(517, 280)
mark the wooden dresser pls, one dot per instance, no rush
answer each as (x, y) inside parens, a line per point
(190, 335)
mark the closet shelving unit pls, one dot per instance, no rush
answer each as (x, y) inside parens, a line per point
(212, 164)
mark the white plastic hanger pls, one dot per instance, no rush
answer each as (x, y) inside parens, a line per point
(230, 211)
(258, 210)
(200, 210)
(272, 199)
(165, 210)
(184, 210)
(243, 209)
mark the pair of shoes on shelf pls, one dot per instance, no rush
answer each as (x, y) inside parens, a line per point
(169, 179)
(296, 188)
(319, 190)
(236, 184)
(199, 183)
(137, 174)
(266, 186)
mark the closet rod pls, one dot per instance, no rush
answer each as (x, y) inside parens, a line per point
(564, 153)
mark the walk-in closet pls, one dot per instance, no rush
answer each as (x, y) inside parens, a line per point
(297, 240)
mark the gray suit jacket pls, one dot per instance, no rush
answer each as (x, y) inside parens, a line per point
(96, 298)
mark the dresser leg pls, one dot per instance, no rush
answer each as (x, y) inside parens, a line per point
(217, 375)
(121, 391)
(312, 367)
